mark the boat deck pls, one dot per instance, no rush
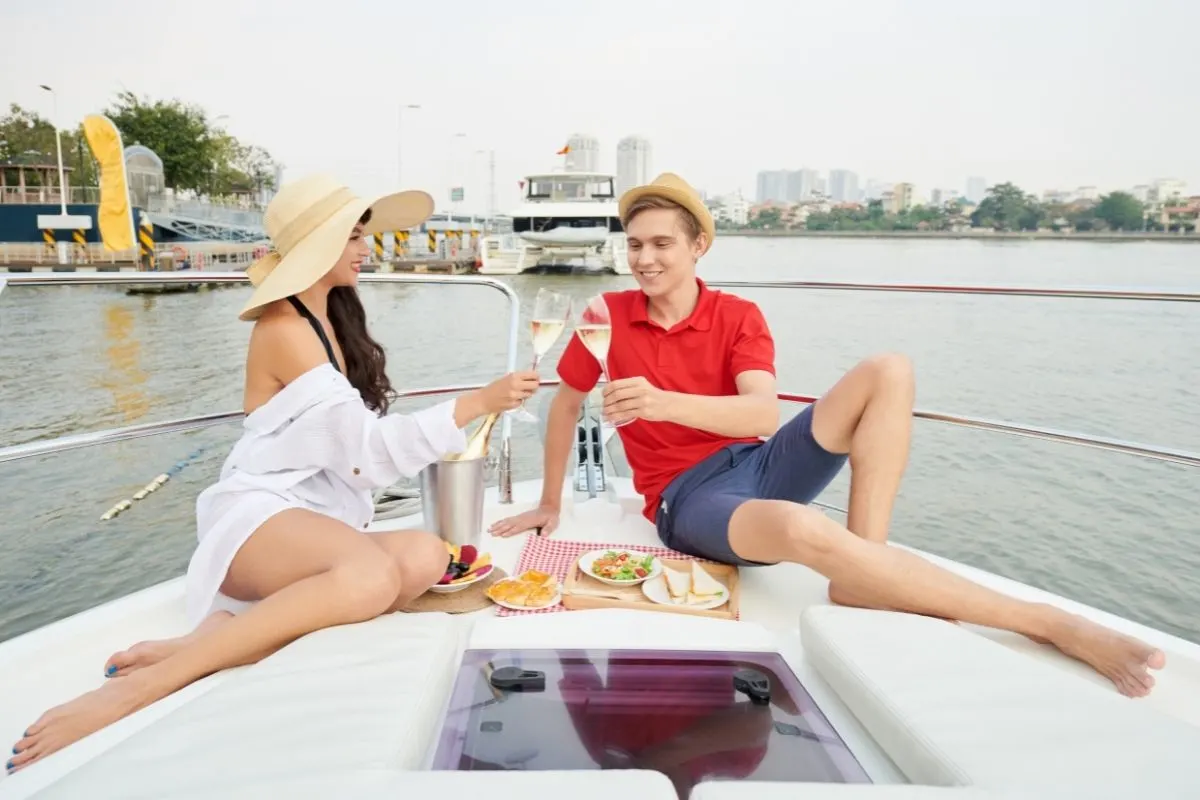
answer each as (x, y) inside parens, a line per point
(356, 709)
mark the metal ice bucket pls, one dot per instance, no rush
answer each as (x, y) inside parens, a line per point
(452, 499)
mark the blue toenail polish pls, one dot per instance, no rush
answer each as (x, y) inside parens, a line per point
(111, 670)
(9, 765)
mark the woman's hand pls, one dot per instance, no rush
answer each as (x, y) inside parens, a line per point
(502, 394)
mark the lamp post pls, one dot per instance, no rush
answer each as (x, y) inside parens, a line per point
(455, 172)
(400, 140)
(491, 206)
(64, 221)
(62, 183)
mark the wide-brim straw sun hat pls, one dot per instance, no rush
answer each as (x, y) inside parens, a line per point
(309, 222)
(671, 187)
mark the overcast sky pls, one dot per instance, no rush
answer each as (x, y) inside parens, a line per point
(1056, 94)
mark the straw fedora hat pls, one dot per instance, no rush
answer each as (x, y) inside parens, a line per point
(670, 186)
(309, 222)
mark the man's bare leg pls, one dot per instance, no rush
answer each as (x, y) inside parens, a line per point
(868, 414)
(775, 530)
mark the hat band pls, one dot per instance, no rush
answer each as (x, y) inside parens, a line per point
(310, 219)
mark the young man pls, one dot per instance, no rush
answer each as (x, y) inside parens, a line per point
(694, 368)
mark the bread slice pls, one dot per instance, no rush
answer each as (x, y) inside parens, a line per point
(678, 583)
(704, 587)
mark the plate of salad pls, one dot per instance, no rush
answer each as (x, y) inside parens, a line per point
(619, 567)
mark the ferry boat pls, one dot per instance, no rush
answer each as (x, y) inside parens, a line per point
(567, 222)
(807, 700)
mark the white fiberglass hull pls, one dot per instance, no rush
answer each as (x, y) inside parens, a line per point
(568, 237)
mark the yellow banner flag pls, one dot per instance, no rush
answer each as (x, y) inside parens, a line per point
(114, 216)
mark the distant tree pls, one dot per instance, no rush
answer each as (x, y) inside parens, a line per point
(1008, 208)
(179, 134)
(1120, 211)
(28, 138)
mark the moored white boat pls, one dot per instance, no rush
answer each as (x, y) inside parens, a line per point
(377, 709)
(566, 221)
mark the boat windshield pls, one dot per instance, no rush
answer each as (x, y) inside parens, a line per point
(694, 716)
(567, 187)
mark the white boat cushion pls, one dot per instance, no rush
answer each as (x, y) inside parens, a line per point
(953, 708)
(770, 790)
(359, 696)
(364, 784)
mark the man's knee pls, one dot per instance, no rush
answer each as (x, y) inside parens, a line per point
(892, 370)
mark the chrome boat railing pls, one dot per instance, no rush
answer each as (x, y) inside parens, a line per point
(76, 441)
(119, 278)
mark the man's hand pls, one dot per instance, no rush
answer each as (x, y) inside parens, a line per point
(544, 518)
(634, 398)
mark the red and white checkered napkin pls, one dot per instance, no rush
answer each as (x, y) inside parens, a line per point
(556, 556)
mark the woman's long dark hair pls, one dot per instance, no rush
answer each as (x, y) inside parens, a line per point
(366, 362)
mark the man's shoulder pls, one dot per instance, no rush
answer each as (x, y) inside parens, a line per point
(733, 309)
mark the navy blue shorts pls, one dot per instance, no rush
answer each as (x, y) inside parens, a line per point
(693, 515)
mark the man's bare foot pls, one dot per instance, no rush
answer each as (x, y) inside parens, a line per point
(143, 654)
(1122, 659)
(86, 714)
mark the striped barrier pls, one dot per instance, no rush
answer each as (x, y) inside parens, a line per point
(146, 244)
(379, 247)
(401, 248)
(81, 248)
(48, 238)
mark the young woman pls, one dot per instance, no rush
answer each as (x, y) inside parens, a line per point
(282, 550)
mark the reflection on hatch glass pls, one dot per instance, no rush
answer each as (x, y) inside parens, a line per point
(693, 716)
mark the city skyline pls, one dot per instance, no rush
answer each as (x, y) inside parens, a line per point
(960, 102)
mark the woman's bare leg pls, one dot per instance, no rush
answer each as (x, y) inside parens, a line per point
(307, 571)
(143, 654)
(420, 557)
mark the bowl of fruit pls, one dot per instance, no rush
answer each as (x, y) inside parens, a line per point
(467, 567)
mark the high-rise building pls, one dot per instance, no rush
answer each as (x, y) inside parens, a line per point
(772, 185)
(633, 163)
(843, 186)
(976, 189)
(583, 154)
(788, 186)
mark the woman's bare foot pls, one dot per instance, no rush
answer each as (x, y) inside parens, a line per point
(143, 654)
(1122, 659)
(86, 714)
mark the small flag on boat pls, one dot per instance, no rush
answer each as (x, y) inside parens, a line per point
(566, 149)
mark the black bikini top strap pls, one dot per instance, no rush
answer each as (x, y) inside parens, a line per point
(316, 326)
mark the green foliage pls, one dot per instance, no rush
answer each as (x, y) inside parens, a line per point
(28, 138)
(179, 134)
(195, 154)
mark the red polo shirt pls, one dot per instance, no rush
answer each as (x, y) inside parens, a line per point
(724, 336)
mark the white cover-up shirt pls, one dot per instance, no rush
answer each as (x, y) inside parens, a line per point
(313, 445)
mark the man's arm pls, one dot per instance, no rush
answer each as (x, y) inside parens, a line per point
(753, 411)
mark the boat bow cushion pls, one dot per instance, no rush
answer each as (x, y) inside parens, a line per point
(352, 697)
(951, 707)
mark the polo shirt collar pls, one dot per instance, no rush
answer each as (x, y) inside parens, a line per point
(700, 319)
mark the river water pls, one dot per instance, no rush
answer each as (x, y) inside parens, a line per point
(1114, 531)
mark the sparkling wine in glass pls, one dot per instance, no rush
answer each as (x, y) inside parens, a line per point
(594, 329)
(551, 310)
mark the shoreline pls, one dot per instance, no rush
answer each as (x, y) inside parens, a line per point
(978, 236)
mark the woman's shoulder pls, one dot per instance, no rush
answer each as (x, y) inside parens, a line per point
(283, 347)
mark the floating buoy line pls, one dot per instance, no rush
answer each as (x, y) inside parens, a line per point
(152, 486)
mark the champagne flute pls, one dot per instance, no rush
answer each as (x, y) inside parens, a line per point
(594, 328)
(551, 310)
